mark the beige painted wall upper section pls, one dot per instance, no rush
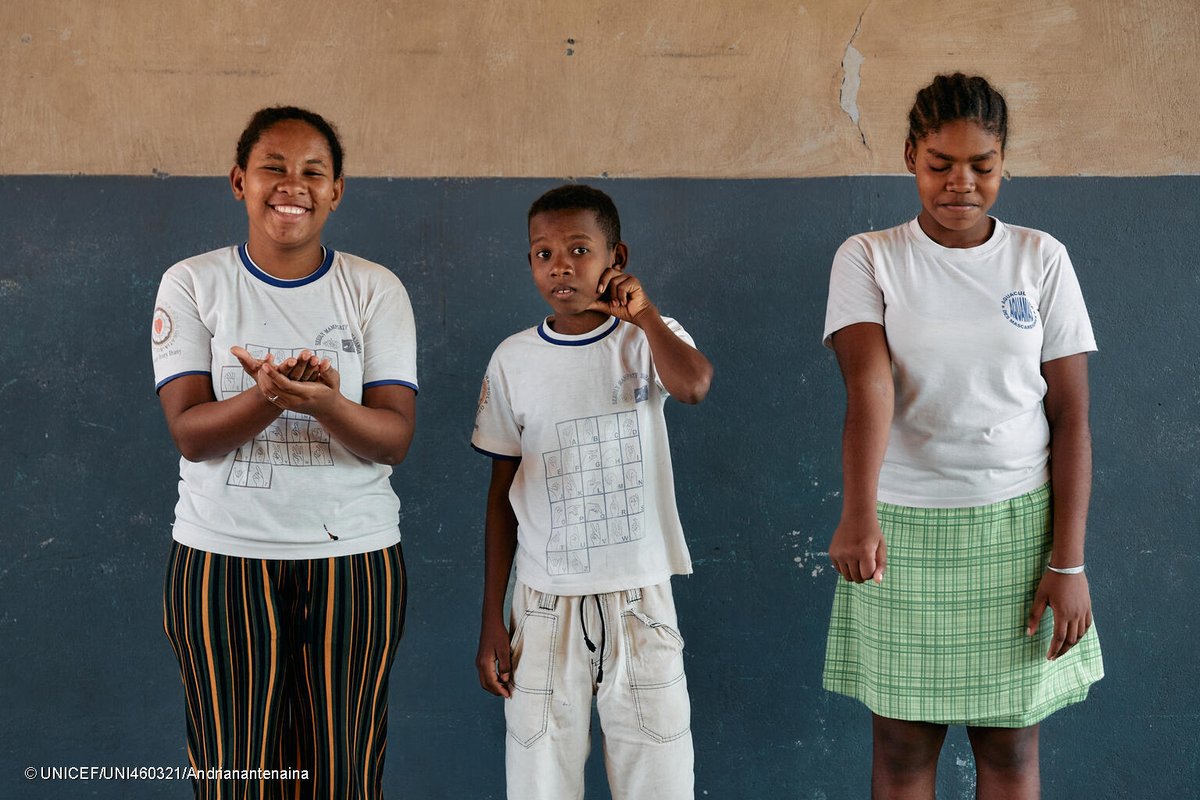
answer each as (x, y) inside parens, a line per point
(726, 88)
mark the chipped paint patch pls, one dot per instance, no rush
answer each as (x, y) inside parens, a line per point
(852, 61)
(809, 559)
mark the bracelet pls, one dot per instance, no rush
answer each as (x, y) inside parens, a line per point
(1066, 570)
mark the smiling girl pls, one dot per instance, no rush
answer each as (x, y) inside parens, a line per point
(287, 374)
(966, 457)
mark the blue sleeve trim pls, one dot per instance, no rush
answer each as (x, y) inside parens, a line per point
(373, 384)
(496, 456)
(158, 386)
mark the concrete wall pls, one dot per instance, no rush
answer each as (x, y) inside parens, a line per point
(120, 95)
(637, 88)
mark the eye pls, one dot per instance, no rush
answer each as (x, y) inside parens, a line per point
(984, 171)
(943, 168)
(580, 251)
(542, 254)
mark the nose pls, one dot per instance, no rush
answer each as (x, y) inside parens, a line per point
(559, 265)
(960, 179)
(290, 183)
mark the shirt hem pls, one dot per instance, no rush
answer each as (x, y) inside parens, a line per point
(199, 539)
(1069, 350)
(616, 584)
(392, 382)
(490, 454)
(846, 322)
(158, 386)
(971, 501)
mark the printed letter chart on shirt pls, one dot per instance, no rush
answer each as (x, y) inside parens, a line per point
(594, 482)
(292, 440)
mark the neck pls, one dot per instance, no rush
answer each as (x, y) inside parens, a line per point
(972, 237)
(574, 324)
(286, 263)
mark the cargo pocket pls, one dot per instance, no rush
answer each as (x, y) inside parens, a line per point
(656, 677)
(526, 713)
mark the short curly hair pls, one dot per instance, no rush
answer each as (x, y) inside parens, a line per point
(580, 197)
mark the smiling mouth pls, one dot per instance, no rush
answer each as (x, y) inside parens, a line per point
(293, 211)
(562, 291)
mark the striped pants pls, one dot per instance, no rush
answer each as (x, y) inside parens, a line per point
(285, 670)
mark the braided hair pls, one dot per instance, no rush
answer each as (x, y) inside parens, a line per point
(955, 97)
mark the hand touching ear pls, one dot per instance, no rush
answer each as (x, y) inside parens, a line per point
(621, 295)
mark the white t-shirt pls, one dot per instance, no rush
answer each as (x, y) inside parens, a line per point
(292, 489)
(968, 330)
(594, 495)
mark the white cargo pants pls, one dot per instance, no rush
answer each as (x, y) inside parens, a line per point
(636, 676)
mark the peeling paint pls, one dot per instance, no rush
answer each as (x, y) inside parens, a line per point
(851, 64)
(811, 560)
(852, 61)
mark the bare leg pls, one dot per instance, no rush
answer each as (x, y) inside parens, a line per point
(1006, 761)
(904, 758)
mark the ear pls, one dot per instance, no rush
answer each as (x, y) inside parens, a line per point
(910, 156)
(339, 187)
(237, 182)
(620, 256)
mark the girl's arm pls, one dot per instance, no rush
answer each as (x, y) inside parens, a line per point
(1066, 405)
(494, 659)
(858, 550)
(204, 427)
(378, 430)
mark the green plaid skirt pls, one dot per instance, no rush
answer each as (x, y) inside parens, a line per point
(942, 639)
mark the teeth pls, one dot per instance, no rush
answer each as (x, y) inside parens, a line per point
(297, 210)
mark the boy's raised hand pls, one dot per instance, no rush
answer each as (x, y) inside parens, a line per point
(621, 295)
(494, 659)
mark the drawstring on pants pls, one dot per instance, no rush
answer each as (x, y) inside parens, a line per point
(591, 647)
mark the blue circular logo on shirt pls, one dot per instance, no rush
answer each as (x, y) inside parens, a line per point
(1019, 310)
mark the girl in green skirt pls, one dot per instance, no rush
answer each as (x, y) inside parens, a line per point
(966, 453)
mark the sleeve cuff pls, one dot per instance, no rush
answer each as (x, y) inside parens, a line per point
(498, 456)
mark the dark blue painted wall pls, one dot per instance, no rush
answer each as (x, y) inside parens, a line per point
(88, 483)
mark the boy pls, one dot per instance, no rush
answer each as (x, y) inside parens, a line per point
(582, 495)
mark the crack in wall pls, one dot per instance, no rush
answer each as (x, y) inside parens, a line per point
(852, 61)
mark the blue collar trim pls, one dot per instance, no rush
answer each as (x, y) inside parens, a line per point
(256, 271)
(579, 339)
